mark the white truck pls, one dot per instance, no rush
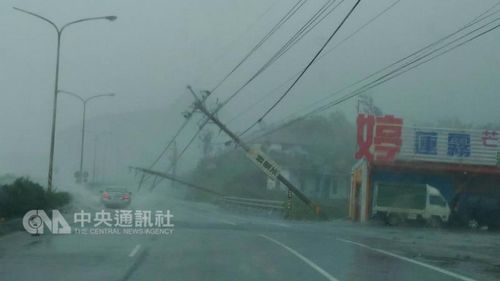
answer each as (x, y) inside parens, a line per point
(399, 202)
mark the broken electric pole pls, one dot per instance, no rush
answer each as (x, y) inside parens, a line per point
(259, 159)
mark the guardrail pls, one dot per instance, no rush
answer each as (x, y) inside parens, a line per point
(274, 205)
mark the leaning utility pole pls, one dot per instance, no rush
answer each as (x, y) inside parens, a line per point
(173, 160)
(259, 159)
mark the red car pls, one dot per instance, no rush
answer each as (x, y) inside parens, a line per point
(118, 198)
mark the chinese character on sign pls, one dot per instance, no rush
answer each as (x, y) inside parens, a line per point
(264, 162)
(260, 159)
(82, 218)
(102, 217)
(163, 220)
(490, 138)
(379, 137)
(426, 143)
(498, 159)
(387, 137)
(365, 125)
(143, 218)
(459, 145)
(123, 218)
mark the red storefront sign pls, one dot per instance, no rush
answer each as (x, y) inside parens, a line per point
(379, 137)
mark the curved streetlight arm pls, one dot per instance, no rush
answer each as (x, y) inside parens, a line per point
(87, 99)
(72, 94)
(60, 30)
(38, 16)
(110, 18)
(98, 96)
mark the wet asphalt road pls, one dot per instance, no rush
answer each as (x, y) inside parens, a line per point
(210, 244)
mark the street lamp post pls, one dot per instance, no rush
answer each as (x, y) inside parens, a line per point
(56, 82)
(84, 102)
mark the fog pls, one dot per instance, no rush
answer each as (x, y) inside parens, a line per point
(155, 48)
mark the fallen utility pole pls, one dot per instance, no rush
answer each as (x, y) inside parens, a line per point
(263, 162)
(172, 178)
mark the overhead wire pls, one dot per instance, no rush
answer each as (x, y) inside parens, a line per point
(186, 147)
(387, 77)
(477, 19)
(395, 74)
(304, 70)
(268, 94)
(172, 140)
(293, 40)
(229, 46)
(277, 26)
(395, 71)
(283, 20)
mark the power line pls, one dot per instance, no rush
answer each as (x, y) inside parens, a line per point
(388, 76)
(476, 20)
(186, 147)
(361, 28)
(240, 36)
(193, 138)
(313, 24)
(292, 41)
(309, 25)
(172, 140)
(282, 21)
(357, 92)
(304, 70)
(268, 95)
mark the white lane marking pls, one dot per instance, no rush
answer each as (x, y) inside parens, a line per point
(449, 273)
(228, 222)
(304, 259)
(135, 250)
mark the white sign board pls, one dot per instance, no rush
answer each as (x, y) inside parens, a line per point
(264, 162)
(479, 147)
(387, 139)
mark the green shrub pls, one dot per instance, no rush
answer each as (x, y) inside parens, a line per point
(23, 195)
(54, 200)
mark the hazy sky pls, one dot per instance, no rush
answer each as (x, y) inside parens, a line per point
(155, 48)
